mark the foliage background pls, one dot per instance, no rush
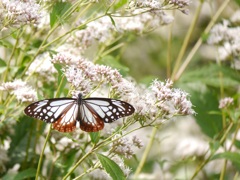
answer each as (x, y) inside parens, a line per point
(203, 146)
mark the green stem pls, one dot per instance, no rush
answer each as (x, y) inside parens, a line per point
(42, 153)
(146, 153)
(187, 39)
(199, 42)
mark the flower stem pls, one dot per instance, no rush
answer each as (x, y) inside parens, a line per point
(199, 42)
(42, 153)
(186, 40)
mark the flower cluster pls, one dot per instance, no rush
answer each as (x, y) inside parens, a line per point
(225, 102)
(125, 146)
(104, 31)
(224, 36)
(21, 12)
(176, 98)
(160, 102)
(99, 174)
(85, 75)
(152, 5)
(21, 90)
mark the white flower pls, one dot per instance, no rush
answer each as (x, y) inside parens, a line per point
(125, 145)
(99, 174)
(225, 36)
(21, 90)
(225, 102)
(26, 94)
(120, 162)
(21, 11)
(16, 84)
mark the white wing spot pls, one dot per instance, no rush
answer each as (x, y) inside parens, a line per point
(49, 113)
(44, 111)
(109, 113)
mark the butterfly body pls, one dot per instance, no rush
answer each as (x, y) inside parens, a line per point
(90, 114)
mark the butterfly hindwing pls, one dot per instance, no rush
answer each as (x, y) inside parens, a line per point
(90, 121)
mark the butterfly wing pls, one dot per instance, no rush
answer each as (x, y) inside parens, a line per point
(89, 114)
(89, 119)
(62, 112)
(109, 110)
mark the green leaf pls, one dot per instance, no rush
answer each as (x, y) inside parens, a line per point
(95, 136)
(205, 100)
(28, 173)
(58, 12)
(203, 84)
(111, 167)
(210, 75)
(3, 66)
(6, 44)
(238, 2)
(234, 157)
(119, 4)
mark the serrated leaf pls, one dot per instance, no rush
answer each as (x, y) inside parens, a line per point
(111, 167)
(95, 136)
(25, 174)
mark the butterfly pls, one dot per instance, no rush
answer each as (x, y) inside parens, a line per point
(90, 114)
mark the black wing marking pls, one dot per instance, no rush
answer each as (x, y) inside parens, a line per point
(110, 110)
(62, 112)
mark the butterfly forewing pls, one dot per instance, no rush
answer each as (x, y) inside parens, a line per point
(48, 110)
(110, 109)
